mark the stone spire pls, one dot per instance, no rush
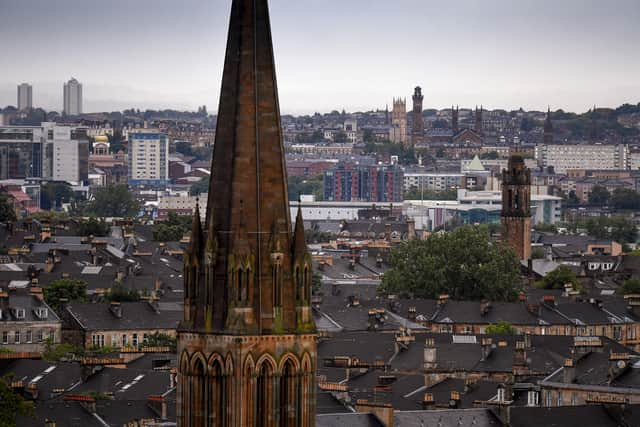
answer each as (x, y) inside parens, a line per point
(247, 284)
(299, 243)
(247, 345)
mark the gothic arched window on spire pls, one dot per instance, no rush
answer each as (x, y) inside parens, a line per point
(199, 394)
(245, 285)
(218, 394)
(298, 284)
(264, 397)
(306, 288)
(240, 284)
(276, 277)
(288, 396)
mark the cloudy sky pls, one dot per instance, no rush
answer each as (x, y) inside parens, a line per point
(330, 54)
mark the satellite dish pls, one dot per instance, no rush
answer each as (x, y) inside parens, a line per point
(621, 364)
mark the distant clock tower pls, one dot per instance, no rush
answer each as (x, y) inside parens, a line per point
(516, 207)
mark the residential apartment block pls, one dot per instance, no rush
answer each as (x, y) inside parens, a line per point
(582, 156)
(148, 158)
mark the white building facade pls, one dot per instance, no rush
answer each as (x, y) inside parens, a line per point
(583, 156)
(148, 158)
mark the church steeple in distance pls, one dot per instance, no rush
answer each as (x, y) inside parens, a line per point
(548, 128)
(247, 343)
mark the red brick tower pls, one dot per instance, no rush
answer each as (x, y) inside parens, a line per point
(516, 207)
(417, 128)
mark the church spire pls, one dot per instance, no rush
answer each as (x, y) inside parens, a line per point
(299, 243)
(196, 239)
(247, 346)
(248, 208)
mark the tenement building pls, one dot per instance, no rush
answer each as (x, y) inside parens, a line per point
(247, 343)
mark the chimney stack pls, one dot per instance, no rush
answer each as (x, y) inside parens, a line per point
(486, 346)
(116, 309)
(430, 354)
(569, 371)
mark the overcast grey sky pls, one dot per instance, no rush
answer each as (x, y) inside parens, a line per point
(330, 54)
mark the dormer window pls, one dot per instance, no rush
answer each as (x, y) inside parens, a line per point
(19, 313)
(41, 312)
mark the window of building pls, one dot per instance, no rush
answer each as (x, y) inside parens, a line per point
(16, 337)
(125, 341)
(97, 340)
(5, 337)
(28, 337)
(52, 336)
(39, 335)
(134, 340)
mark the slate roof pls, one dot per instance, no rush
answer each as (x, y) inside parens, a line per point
(350, 419)
(22, 299)
(570, 416)
(446, 418)
(127, 384)
(48, 376)
(135, 315)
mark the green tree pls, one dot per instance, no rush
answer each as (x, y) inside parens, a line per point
(173, 229)
(340, 137)
(630, 286)
(368, 136)
(416, 194)
(599, 195)
(622, 230)
(298, 185)
(464, 264)
(537, 253)
(114, 201)
(200, 187)
(118, 293)
(502, 327)
(316, 281)
(54, 194)
(71, 290)
(12, 405)
(616, 228)
(93, 227)
(7, 213)
(558, 278)
(625, 198)
(161, 340)
(56, 353)
(571, 198)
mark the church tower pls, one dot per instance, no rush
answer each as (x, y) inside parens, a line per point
(478, 123)
(455, 115)
(417, 128)
(247, 343)
(516, 207)
(548, 129)
(398, 128)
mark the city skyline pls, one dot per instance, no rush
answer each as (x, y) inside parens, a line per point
(502, 55)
